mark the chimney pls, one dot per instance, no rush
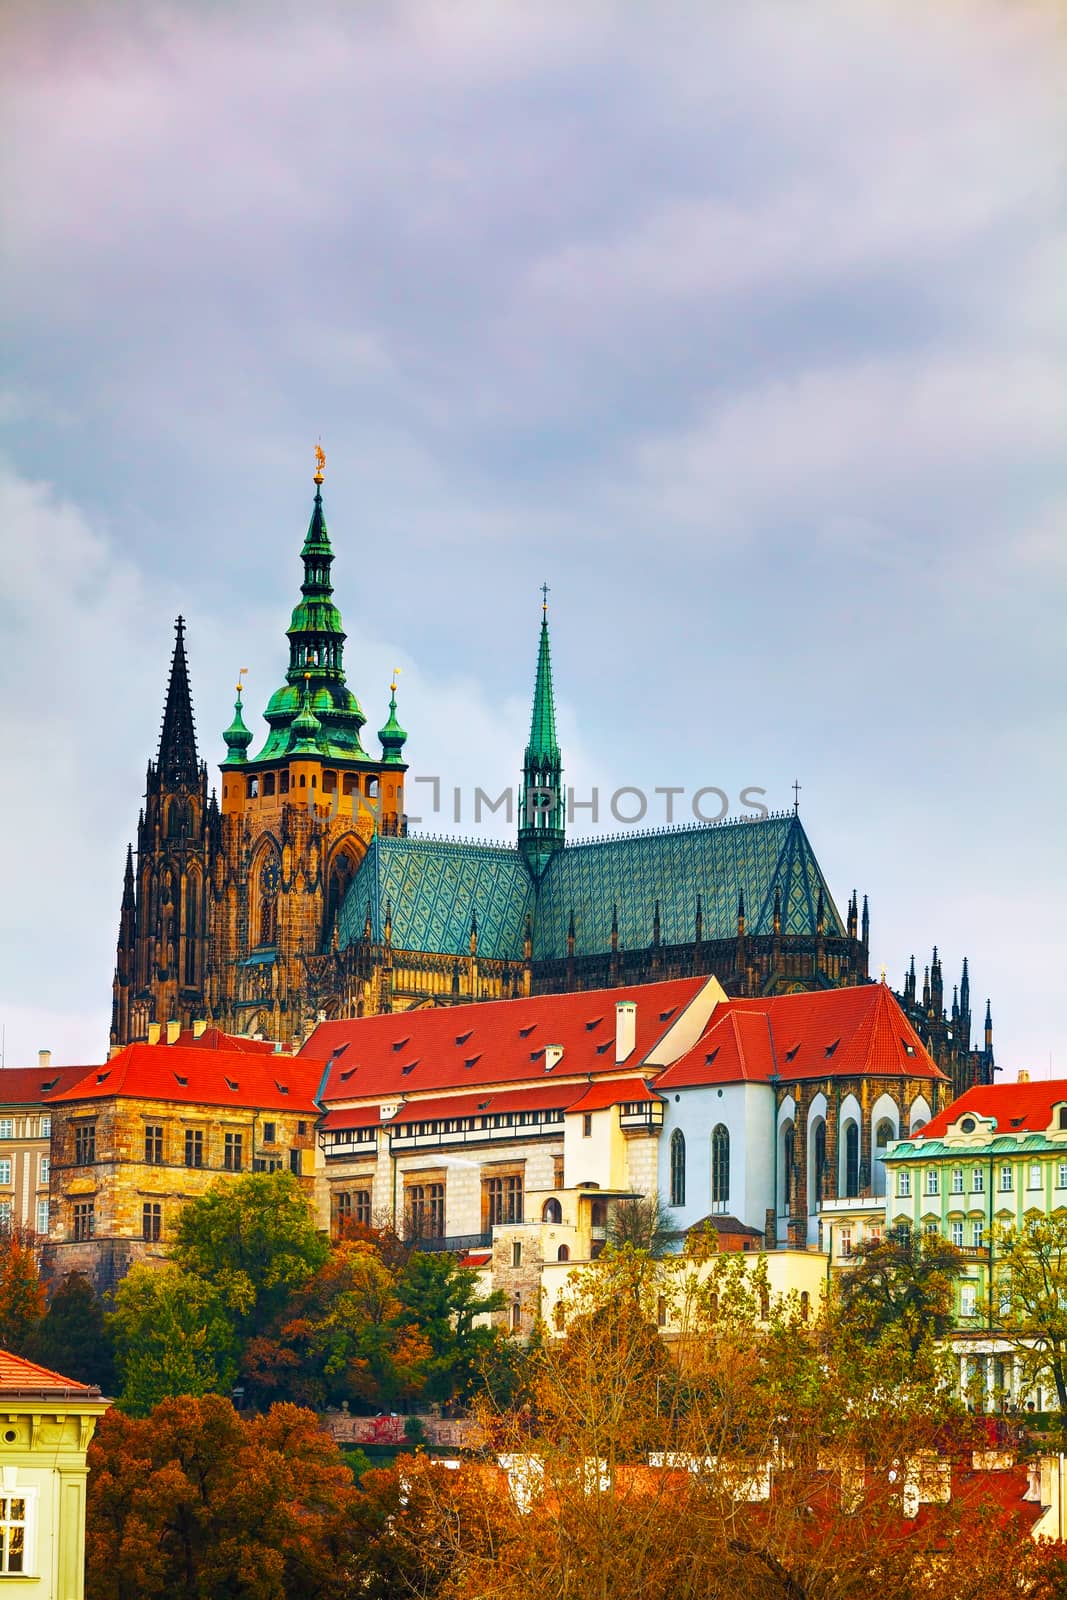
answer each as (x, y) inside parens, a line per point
(44, 1059)
(173, 1030)
(553, 1054)
(153, 1032)
(1024, 1076)
(625, 1028)
(199, 1027)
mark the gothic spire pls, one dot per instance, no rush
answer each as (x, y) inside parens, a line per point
(129, 898)
(177, 763)
(541, 827)
(543, 746)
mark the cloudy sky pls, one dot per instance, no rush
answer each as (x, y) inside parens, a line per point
(741, 326)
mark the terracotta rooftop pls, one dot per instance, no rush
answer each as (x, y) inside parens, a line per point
(1016, 1107)
(200, 1077)
(28, 1086)
(18, 1376)
(613, 1091)
(822, 1033)
(498, 1042)
(215, 1039)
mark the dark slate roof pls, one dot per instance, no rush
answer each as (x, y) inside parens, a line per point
(432, 886)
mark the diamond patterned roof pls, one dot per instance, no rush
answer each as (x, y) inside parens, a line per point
(434, 884)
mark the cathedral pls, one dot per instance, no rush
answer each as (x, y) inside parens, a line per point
(300, 894)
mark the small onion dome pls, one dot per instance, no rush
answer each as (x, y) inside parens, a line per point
(392, 735)
(237, 737)
(306, 726)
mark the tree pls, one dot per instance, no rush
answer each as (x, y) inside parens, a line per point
(902, 1284)
(72, 1337)
(1031, 1287)
(194, 1501)
(174, 1334)
(644, 1223)
(442, 1301)
(22, 1294)
(255, 1240)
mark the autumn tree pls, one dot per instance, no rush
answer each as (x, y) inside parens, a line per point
(255, 1240)
(643, 1222)
(22, 1294)
(903, 1284)
(442, 1301)
(1031, 1289)
(174, 1334)
(72, 1336)
(194, 1502)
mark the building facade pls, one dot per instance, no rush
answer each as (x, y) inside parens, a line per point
(25, 1142)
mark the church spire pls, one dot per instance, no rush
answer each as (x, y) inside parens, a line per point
(177, 763)
(541, 826)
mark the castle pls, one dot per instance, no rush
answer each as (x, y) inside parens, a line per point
(301, 893)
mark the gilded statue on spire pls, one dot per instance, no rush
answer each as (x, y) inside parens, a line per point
(320, 463)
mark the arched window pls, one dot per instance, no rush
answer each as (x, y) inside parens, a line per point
(552, 1211)
(267, 889)
(563, 1253)
(191, 928)
(788, 1164)
(720, 1167)
(677, 1168)
(818, 1164)
(852, 1160)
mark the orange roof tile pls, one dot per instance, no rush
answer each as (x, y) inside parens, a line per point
(502, 1041)
(18, 1376)
(613, 1091)
(1016, 1107)
(201, 1077)
(28, 1086)
(215, 1039)
(818, 1034)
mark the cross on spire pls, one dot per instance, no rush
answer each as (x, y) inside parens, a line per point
(796, 795)
(544, 596)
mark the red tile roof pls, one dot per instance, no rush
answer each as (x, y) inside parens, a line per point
(201, 1077)
(478, 1102)
(502, 1041)
(215, 1039)
(818, 1034)
(18, 1376)
(613, 1091)
(27, 1086)
(1016, 1107)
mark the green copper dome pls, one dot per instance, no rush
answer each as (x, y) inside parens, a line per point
(237, 737)
(306, 729)
(315, 679)
(392, 735)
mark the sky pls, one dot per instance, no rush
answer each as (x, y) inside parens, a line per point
(742, 327)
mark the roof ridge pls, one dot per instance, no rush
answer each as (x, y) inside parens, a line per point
(697, 826)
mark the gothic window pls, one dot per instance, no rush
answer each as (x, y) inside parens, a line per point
(852, 1159)
(267, 888)
(677, 1168)
(818, 1164)
(720, 1167)
(192, 927)
(788, 1160)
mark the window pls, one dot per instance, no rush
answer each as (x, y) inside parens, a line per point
(503, 1197)
(844, 1242)
(153, 1145)
(42, 1216)
(233, 1152)
(1061, 1120)
(1007, 1182)
(1061, 1175)
(720, 1166)
(931, 1229)
(84, 1143)
(587, 1125)
(932, 1184)
(46, 1127)
(194, 1147)
(563, 1253)
(426, 1211)
(978, 1180)
(46, 1168)
(661, 1311)
(516, 1314)
(84, 1220)
(13, 1552)
(1033, 1180)
(269, 1133)
(968, 1300)
(5, 1170)
(805, 1305)
(301, 1130)
(903, 1184)
(852, 1159)
(294, 1162)
(957, 1180)
(977, 1232)
(152, 1220)
(552, 1211)
(956, 1234)
(7, 1127)
(516, 1254)
(5, 1214)
(677, 1168)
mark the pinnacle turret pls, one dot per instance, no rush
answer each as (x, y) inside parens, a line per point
(392, 735)
(541, 825)
(176, 763)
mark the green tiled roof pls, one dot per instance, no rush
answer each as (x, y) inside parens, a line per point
(1005, 1144)
(433, 886)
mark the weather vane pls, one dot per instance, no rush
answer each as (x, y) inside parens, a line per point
(240, 680)
(396, 674)
(320, 463)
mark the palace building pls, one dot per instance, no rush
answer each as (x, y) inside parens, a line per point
(299, 893)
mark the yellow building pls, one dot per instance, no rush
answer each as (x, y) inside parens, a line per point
(46, 1423)
(25, 1133)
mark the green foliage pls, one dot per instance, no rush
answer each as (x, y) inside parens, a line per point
(73, 1338)
(22, 1294)
(174, 1334)
(441, 1300)
(902, 1286)
(255, 1240)
(415, 1431)
(1031, 1292)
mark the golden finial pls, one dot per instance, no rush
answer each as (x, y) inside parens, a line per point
(883, 975)
(240, 680)
(392, 686)
(320, 463)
